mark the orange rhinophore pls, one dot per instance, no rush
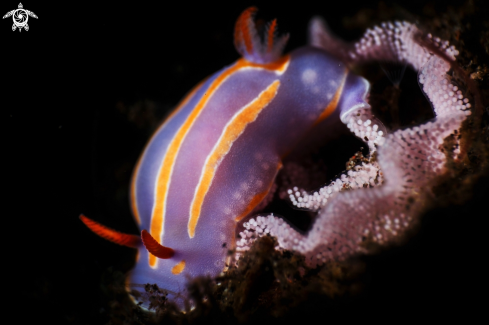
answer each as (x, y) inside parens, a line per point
(112, 235)
(155, 248)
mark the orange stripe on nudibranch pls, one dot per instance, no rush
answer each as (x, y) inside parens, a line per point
(166, 170)
(257, 198)
(177, 269)
(112, 235)
(278, 66)
(232, 131)
(133, 201)
(333, 103)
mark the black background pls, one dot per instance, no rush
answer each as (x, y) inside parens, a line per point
(69, 87)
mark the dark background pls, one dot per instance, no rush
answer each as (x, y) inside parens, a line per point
(82, 90)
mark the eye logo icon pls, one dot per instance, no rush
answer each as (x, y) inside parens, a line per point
(20, 17)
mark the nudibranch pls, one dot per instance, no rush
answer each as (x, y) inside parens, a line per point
(215, 158)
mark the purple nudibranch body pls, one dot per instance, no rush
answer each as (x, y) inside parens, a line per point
(216, 157)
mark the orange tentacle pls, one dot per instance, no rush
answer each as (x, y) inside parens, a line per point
(154, 247)
(114, 236)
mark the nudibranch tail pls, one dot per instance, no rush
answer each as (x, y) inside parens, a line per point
(154, 247)
(249, 44)
(114, 236)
